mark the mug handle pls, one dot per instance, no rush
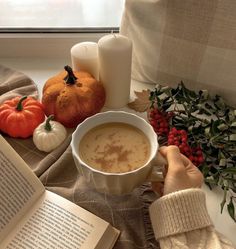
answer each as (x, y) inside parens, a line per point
(158, 163)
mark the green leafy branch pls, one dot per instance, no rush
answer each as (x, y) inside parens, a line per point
(211, 124)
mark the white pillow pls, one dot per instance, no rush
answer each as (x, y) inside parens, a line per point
(189, 40)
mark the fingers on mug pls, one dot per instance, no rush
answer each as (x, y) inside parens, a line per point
(159, 163)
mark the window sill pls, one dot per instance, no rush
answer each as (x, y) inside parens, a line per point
(43, 45)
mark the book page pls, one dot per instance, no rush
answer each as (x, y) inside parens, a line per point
(58, 223)
(19, 188)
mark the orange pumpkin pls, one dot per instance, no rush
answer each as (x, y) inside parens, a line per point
(20, 116)
(72, 96)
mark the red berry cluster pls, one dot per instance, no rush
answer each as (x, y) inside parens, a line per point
(160, 123)
(180, 139)
(159, 120)
(197, 156)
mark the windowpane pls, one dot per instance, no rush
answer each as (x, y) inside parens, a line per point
(60, 14)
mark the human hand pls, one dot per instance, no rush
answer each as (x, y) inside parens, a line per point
(179, 174)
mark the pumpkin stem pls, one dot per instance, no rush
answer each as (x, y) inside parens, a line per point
(70, 79)
(47, 125)
(19, 106)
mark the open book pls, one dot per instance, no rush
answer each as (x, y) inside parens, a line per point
(32, 217)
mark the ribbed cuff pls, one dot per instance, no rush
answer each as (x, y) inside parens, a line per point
(179, 212)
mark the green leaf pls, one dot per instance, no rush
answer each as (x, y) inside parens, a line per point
(203, 110)
(214, 127)
(166, 104)
(233, 124)
(174, 91)
(231, 209)
(221, 155)
(222, 162)
(158, 91)
(211, 181)
(231, 115)
(222, 204)
(187, 93)
(229, 170)
(205, 170)
(232, 137)
(231, 179)
(219, 103)
(166, 89)
(207, 131)
(204, 94)
(222, 127)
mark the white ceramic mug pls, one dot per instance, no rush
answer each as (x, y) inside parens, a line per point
(118, 183)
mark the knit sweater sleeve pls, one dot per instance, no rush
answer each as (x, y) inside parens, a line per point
(181, 220)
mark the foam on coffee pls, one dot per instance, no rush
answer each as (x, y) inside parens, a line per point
(115, 148)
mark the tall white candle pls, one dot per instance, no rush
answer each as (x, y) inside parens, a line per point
(115, 56)
(84, 56)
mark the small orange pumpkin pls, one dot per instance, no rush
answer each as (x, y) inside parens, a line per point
(72, 96)
(20, 116)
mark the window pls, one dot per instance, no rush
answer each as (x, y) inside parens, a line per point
(48, 28)
(60, 15)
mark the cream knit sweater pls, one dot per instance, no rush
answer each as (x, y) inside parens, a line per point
(181, 220)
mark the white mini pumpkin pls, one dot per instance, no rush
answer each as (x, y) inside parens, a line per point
(49, 135)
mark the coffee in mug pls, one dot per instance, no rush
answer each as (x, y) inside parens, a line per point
(107, 170)
(115, 148)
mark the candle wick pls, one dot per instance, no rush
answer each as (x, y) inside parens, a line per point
(86, 49)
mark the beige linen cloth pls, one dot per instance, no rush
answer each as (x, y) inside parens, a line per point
(189, 40)
(58, 173)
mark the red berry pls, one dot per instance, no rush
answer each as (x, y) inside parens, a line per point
(151, 115)
(166, 130)
(159, 121)
(174, 130)
(191, 158)
(184, 139)
(153, 122)
(200, 159)
(199, 153)
(183, 132)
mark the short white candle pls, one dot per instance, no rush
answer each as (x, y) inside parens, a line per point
(84, 57)
(115, 56)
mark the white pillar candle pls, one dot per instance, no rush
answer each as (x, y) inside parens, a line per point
(84, 57)
(115, 56)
